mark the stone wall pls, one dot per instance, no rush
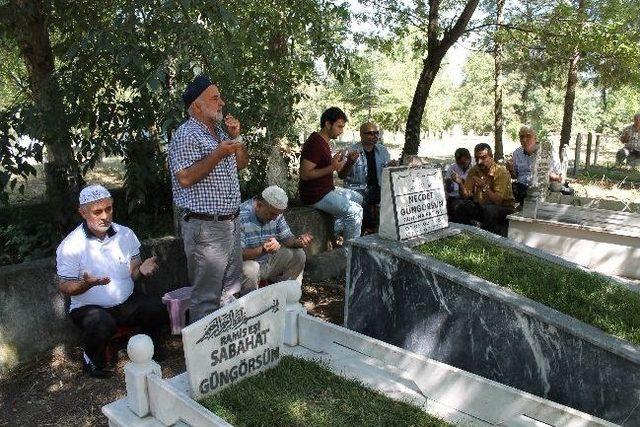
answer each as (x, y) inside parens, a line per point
(33, 314)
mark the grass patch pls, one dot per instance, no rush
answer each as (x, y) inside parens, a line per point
(609, 176)
(585, 296)
(302, 393)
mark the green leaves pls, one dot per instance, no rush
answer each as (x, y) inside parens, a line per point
(122, 66)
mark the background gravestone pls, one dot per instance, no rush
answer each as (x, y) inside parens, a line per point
(413, 202)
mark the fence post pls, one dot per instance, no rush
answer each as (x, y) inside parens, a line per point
(587, 160)
(576, 161)
(595, 152)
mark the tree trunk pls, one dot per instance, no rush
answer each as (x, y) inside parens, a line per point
(572, 82)
(605, 108)
(498, 122)
(569, 100)
(61, 170)
(414, 120)
(436, 49)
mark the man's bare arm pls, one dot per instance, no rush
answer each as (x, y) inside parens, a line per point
(309, 170)
(80, 286)
(252, 253)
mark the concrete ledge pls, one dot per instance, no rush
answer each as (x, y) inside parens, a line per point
(304, 219)
(32, 313)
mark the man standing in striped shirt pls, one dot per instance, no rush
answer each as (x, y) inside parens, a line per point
(270, 250)
(204, 159)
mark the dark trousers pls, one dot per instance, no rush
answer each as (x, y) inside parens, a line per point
(370, 201)
(519, 191)
(492, 217)
(99, 324)
(452, 204)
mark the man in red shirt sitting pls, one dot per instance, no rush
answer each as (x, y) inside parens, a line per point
(316, 174)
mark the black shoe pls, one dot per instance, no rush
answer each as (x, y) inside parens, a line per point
(95, 372)
(566, 190)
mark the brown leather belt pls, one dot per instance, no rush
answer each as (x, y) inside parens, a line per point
(207, 217)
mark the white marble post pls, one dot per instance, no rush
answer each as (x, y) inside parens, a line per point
(140, 351)
(294, 292)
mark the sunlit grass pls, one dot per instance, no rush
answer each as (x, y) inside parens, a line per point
(609, 176)
(302, 393)
(585, 296)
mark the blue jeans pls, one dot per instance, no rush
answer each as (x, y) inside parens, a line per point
(345, 206)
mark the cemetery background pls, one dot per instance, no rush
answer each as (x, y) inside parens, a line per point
(454, 394)
(135, 121)
(113, 95)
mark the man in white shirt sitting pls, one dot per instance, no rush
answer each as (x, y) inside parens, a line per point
(96, 265)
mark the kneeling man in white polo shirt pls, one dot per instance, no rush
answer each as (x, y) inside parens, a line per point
(97, 264)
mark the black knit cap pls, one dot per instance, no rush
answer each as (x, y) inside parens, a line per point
(195, 88)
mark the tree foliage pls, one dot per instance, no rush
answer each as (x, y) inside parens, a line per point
(121, 67)
(437, 26)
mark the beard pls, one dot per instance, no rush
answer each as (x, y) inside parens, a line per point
(218, 118)
(101, 227)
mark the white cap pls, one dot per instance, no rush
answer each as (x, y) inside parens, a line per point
(92, 193)
(276, 197)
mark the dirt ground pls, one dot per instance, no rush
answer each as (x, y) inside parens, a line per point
(53, 391)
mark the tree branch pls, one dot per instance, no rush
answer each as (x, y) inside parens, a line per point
(450, 36)
(512, 27)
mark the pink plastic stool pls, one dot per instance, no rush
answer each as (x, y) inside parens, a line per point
(177, 302)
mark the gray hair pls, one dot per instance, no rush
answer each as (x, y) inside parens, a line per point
(636, 115)
(85, 206)
(195, 102)
(526, 129)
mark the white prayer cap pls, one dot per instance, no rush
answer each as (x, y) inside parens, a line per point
(92, 193)
(276, 197)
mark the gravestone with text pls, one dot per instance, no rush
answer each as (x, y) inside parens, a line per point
(412, 202)
(239, 340)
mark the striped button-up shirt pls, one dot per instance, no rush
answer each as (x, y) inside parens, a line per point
(219, 191)
(255, 232)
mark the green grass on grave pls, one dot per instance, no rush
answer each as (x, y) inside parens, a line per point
(585, 296)
(609, 176)
(302, 393)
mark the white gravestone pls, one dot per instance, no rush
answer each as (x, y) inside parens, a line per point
(412, 202)
(537, 191)
(239, 340)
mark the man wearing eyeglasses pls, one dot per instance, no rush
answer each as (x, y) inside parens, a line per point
(363, 170)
